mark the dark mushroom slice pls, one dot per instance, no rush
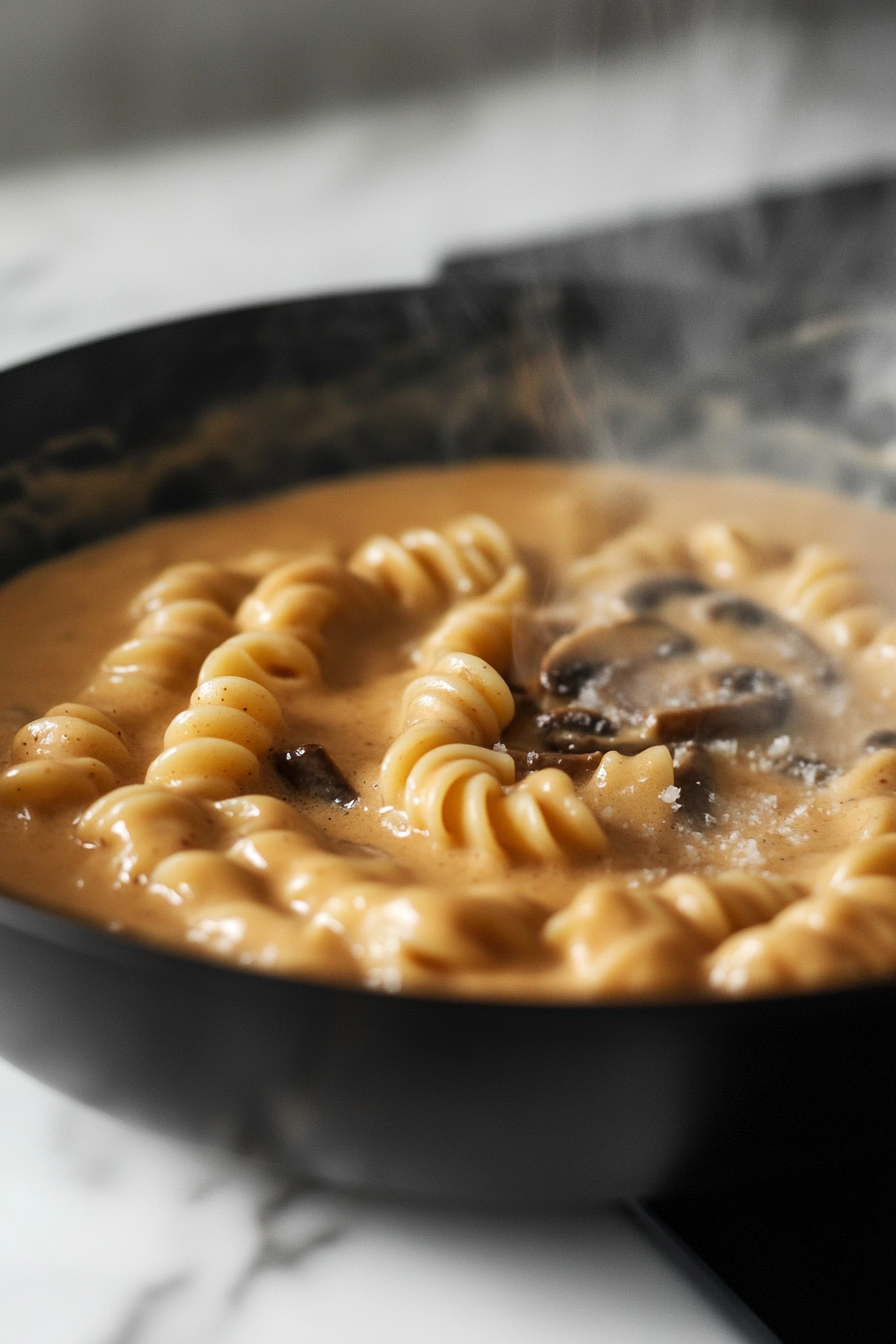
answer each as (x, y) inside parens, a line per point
(313, 773)
(748, 615)
(741, 701)
(695, 775)
(575, 730)
(593, 654)
(809, 769)
(575, 764)
(879, 741)
(648, 594)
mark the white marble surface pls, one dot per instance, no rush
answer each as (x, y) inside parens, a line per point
(379, 198)
(112, 1236)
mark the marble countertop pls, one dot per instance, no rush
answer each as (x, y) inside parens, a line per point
(109, 1235)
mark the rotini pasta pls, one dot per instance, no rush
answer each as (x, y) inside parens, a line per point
(718, 906)
(844, 932)
(300, 597)
(447, 782)
(213, 749)
(424, 570)
(864, 797)
(821, 591)
(482, 626)
(77, 751)
(623, 941)
(641, 548)
(635, 790)
(725, 553)
(69, 756)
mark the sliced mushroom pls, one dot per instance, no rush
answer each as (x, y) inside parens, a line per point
(648, 594)
(575, 730)
(695, 776)
(575, 764)
(883, 738)
(741, 701)
(807, 768)
(593, 654)
(312, 772)
(749, 615)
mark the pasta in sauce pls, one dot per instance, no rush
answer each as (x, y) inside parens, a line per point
(521, 731)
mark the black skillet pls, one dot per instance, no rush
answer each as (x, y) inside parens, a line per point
(428, 1097)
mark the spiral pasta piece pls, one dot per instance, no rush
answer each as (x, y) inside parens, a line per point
(141, 825)
(424, 570)
(482, 626)
(213, 749)
(637, 549)
(621, 941)
(821, 591)
(718, 906)
(724, 552)
(634, 791)
(278, 661)
(300, 597)
(183, 614)
(447, 782)
(71, 755)
(76, 751)
(419, 930)
(864, 797)
(195, 581)
(844, 932)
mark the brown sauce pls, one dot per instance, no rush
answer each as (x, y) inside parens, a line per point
(684, 757)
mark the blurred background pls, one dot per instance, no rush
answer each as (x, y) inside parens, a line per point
(79, 75)
(163, 156)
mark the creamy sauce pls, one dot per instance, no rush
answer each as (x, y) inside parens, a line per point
(776, 810)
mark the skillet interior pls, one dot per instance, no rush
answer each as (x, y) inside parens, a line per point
(473, 1101)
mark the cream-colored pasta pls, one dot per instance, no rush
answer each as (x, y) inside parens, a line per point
(214, 748)
(864, 797)
(634, 791)
(622, 941)
(725, 553)
(482, 626)
(300, 875)
(844, 932)
(424, 570)
(141, 825)
(250, 934)
(419, 931)
(444, 779)
(720, 906)
(71, 755)
(278, 661)
(300, 597)
(821, 591)
(76, 751)
(640, 548)
(197, 581)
